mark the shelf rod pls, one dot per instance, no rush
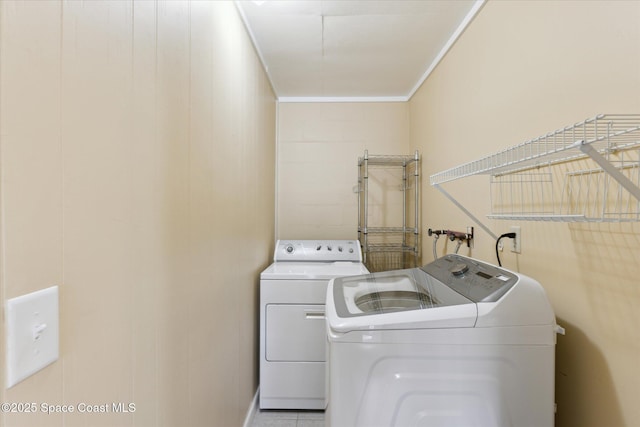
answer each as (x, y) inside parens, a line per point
(466, 211)
(609, 168)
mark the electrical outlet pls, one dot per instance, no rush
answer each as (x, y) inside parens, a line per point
(516, 243)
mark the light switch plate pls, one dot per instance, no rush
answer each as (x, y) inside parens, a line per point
(32, 333)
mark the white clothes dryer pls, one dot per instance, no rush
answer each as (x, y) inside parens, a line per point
(292, 319)
(457, 342)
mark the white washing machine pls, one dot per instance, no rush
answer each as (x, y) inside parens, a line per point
(292, 319)
(457, 342)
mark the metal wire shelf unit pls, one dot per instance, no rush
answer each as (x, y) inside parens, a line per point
(597, 159)
(397, 245)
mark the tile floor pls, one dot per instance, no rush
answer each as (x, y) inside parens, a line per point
(271, 418)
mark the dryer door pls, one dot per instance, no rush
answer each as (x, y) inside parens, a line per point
(295, 333)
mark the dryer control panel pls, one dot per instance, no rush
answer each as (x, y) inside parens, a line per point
(317, 250)
(476, 280)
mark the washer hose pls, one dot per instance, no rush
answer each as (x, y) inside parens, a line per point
(435, 242)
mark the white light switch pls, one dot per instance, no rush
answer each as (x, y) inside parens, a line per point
(32, 333)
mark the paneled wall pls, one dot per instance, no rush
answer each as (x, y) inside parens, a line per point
(318, 149)
(137, 171)
(520, 70)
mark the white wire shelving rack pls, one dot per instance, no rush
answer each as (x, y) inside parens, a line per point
(597, 160)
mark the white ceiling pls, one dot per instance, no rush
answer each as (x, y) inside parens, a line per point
(333, 50)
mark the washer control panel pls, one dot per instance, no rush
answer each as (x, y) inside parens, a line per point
(318, 250)
(476, 280)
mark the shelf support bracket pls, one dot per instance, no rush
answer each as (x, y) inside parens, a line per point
(609, 168)
(466, 211)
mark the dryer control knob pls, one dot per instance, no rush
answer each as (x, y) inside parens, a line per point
(289, 249)
(459, 269)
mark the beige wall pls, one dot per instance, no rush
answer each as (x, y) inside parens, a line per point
(520, 70)
(137, 159)
(138, 173)
(318, 149)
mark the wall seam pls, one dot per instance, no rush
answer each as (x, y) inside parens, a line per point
(61, 308)
(2, 225)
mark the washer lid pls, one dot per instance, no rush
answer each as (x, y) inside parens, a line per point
(452, 291)
(400, 299)
(392, 291)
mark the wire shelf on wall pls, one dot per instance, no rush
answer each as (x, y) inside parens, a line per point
(606, 132)
(583, 195)
(587, 171)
